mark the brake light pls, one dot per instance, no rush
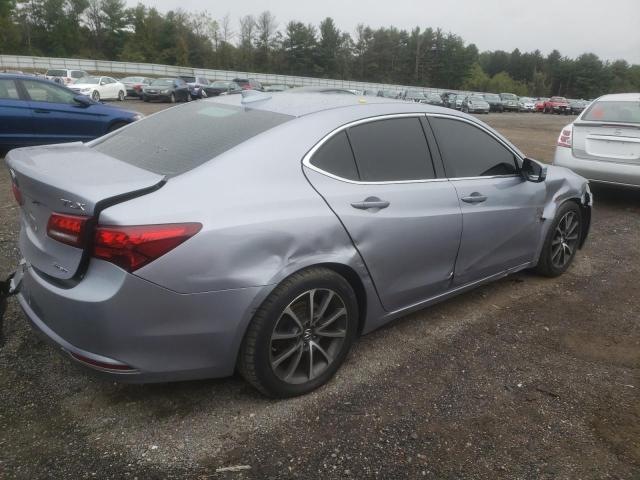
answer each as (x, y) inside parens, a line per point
(69, 229)
(132, 247)
(17, 193)
(564, 140)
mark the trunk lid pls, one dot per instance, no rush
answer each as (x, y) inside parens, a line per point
(72, 179)
(619, 143)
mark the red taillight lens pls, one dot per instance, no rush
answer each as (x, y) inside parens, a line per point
(134, 247)
(69, 229)
(17, 193)
(564, 140)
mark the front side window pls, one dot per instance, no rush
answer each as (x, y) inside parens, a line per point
(8, 89)
(48, 92)
(335, 157)
(391, 150)
(468, 151)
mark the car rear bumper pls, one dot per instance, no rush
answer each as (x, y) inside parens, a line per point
(147, 332)
(623, 174)
(162, 97)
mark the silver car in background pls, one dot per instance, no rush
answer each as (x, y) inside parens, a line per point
(264, 233)
(603, 143)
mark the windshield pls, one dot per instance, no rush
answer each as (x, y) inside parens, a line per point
(508, 96)
(89, 80)
(131, 79)
(188, 79)
(162, 82)
(220, 84)
(476, 98)
(558, 99)
(492, 97)
(608, 111)
(56, 73)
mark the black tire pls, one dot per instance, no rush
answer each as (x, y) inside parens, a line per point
(121, 96)
(172, 98)
(255, 358)
(95, 96)
(115, 126)
(145, 98)
(546, 265)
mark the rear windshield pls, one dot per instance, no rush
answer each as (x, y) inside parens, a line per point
(182, 138)
(623, 112)
(56, 73)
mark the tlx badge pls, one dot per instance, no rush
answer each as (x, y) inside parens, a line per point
(73, 204)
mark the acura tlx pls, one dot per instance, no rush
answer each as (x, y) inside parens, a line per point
(264, 233)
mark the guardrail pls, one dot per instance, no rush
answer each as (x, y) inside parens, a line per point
(22, 62)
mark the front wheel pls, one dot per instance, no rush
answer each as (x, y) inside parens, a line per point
(562, 242)
(95, 96)
(121, 96)
(172, 98)
(301, 334)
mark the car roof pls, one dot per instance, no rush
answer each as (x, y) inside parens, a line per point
(301, 104)
(621, 97)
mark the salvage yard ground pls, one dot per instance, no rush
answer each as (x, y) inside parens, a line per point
(527, 378)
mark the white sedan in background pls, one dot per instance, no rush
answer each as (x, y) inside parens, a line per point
(603, 143)
(100, 88)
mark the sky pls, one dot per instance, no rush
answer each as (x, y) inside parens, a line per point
(610, 29)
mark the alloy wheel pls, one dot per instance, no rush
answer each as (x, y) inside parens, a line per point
(565, 240)
(308, 336)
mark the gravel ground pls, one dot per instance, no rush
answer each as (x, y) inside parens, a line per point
(527, 378)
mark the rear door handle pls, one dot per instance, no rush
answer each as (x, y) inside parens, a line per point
(371, 203)
(475, 197)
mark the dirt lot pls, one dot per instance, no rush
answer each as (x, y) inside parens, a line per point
(527, 378)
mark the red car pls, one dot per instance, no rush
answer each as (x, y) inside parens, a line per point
(539, 105)
(557, 105)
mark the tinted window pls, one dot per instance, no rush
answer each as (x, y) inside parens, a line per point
(335, 156)
(179, 139)
(391, 150)
(468, 151)
(48, 92)
(8, 89)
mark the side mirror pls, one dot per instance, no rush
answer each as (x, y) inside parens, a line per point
(533, 171)
(83, 100)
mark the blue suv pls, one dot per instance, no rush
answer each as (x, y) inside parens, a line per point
(35, 111)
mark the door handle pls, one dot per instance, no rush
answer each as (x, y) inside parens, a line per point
(475, 197)
(371, 203)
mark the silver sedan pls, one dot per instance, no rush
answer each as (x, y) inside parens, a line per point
(603, 143)
(264, 234)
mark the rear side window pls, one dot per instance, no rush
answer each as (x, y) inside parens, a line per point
(182, 138)
(468, 151)
(623, 112)
(391, 150)
(335, 157)
(8, 89)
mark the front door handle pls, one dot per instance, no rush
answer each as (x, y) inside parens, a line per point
(371, 203)
(475, 197)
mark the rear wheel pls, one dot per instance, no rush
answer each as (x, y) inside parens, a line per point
(301, 334)
(562, 242)
(121, 96)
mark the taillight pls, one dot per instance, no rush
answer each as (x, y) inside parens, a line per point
(17, 194)
(564, 140)
(133, 247)
(69, 229)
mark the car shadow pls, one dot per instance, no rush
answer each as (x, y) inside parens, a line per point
(615, 197)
